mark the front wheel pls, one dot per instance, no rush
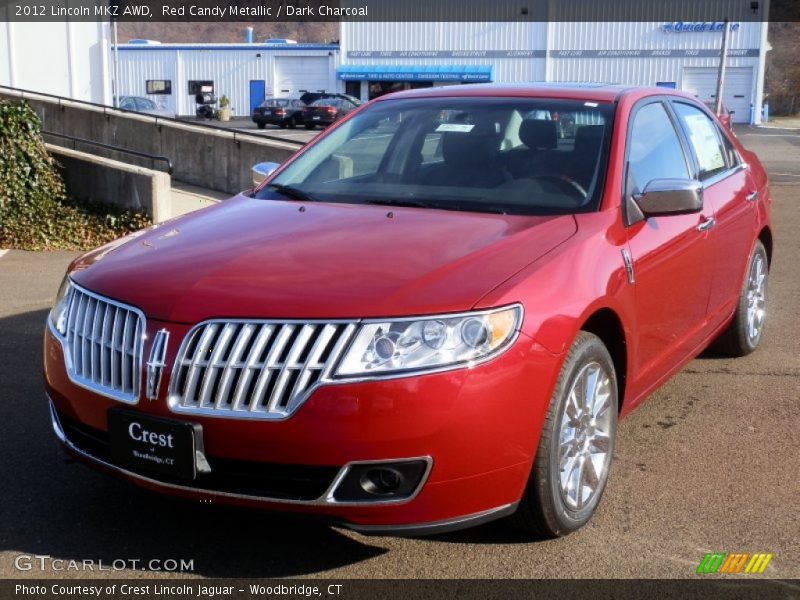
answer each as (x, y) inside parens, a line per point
(745, 331)
(573, 459)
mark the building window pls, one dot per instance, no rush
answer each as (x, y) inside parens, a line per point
(379, 88)
(159, 86)
(201, 87)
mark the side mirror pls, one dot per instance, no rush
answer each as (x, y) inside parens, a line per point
(662, 197)
(261, 171)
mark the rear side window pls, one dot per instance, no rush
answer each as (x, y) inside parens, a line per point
(655, 151)
(704, 138)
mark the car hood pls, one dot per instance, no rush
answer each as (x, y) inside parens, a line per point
(280, 259)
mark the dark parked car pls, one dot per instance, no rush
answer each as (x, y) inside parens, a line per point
(284, 112)
(327, 110)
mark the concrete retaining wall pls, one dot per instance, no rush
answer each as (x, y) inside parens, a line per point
(214, 159)
(90, 177)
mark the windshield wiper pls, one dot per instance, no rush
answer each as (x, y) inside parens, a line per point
(457, 206)
(402, 202)
(292, 192)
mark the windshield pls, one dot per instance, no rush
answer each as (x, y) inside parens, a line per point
(498, 155)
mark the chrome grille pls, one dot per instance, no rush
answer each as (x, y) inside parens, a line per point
(254, 369)
(103, 348)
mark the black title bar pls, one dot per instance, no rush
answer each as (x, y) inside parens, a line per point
(679, 11)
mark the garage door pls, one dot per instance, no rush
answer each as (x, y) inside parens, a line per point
(738, 92)
(297, 74)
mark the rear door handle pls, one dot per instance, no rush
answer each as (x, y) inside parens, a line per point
(752, 196)
(707, 224)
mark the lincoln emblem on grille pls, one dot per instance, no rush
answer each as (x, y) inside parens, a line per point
(156, 364)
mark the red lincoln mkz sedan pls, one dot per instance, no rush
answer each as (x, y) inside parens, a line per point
(430, 317)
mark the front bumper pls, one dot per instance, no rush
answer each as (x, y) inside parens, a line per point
(479, 427)
(406, 529)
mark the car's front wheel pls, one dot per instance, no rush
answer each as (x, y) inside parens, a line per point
(745, 331)
(573, 459)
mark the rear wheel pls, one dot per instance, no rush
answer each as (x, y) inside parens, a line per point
(261, 124)
(745, 331)
(292, 123)
(573, 459)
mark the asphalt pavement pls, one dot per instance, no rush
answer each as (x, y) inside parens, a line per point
(709, 463)
(244, 125)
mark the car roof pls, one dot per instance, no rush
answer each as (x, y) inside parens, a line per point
(600, 92)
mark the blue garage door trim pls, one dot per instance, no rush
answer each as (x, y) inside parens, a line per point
(464, 73)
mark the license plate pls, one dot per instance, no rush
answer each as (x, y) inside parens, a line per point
(152, 444)
(267, 112)
(316, 118)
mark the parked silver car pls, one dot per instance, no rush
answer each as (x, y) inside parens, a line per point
(144, 105)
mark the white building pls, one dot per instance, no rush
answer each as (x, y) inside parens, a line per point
(381, 57)
(374, 58)
(171, 74)
(65, 59)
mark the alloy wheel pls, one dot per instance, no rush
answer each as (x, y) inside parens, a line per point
(585, 445)
(756, 297)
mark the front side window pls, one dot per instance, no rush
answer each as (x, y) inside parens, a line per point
(498, 155)
(704, 138)
(654, 150)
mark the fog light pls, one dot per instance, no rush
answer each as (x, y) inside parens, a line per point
(381, 481)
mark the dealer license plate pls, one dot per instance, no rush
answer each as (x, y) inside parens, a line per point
(144, 443)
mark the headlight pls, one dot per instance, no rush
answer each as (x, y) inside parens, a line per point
(58, 315)
(429, 343)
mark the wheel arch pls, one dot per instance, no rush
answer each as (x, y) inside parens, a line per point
(606, 324)
(765, 236)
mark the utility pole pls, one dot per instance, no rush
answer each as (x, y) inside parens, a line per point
(116, 64)
(721, 75)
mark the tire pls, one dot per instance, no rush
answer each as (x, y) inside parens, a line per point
(292, 123)
(310, 126)
(261, 124)
(550, 508)
(747, 328)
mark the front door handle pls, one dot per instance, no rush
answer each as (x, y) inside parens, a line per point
(752, 196)
(707, 224)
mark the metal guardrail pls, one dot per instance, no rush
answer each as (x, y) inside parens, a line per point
(76, 140)
(110, 110)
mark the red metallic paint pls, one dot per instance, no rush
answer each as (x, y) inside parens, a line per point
(481, 425)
